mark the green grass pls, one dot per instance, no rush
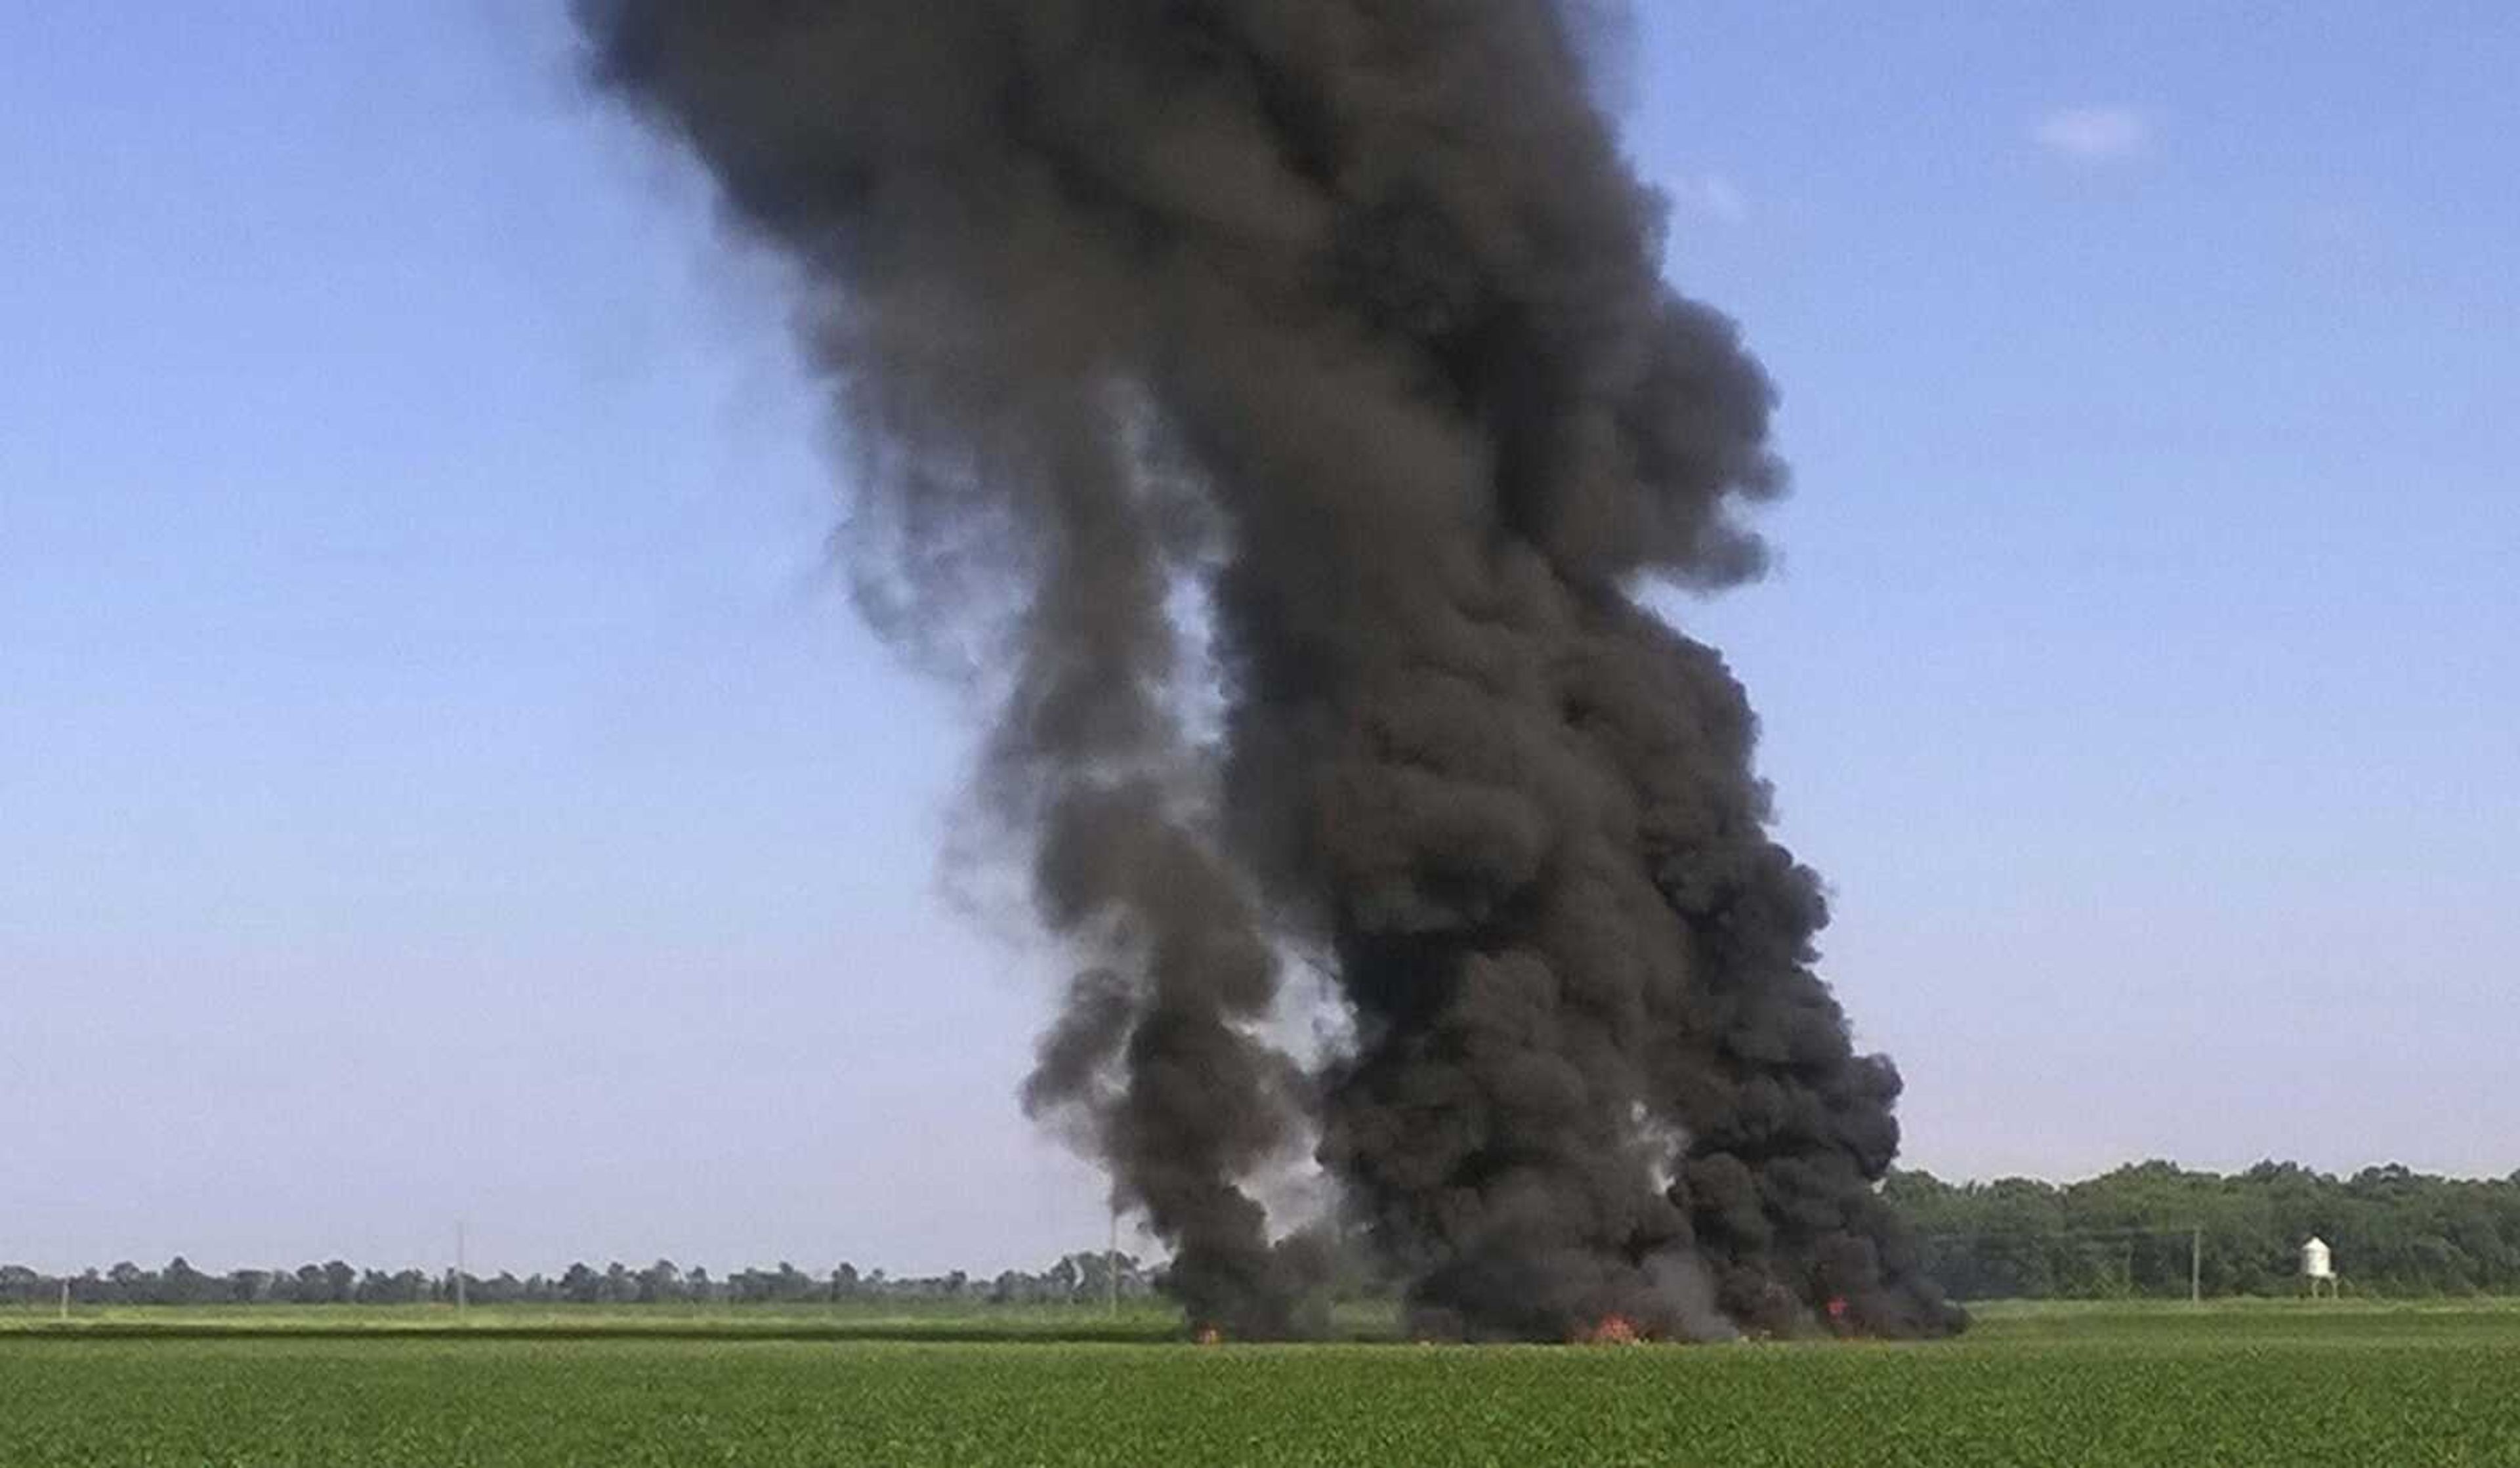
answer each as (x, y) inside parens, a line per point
(2148, 1385)
(1150, 1322)
(1145, 1323)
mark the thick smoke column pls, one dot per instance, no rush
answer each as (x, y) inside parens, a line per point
(1329, 335)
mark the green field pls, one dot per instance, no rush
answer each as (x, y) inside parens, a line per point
(2272, 1384)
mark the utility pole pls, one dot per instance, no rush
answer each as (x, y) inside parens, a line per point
(66, 1301)
(1112, 1267)
(459, 1268)
(2195, 1266)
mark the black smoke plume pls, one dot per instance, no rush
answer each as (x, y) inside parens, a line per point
(1281, 401)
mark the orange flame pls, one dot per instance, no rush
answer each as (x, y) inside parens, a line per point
(1612, 1330)
(1208, 1335)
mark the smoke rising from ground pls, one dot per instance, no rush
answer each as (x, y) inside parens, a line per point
(1316, 352)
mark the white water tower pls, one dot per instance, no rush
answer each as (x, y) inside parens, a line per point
(2318, 1267)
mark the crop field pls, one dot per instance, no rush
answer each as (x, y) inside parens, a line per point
(2266, 1384)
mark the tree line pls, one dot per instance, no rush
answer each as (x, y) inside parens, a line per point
(1080, 1278)
(2122, 1234)
(2128, 1232)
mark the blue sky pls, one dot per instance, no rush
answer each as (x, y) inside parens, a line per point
(440, 775)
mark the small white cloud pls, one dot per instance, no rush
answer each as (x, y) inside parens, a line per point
(2094, 134)
(1713, 195)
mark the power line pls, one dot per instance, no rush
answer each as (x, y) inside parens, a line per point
(2127, 1234)
(2048, 1234)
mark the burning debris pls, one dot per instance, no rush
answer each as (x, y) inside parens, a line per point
(1284, 400)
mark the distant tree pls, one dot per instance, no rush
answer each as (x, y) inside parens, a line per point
(20, 1285)
(2394, 1230)
(179, 1283)
(581, 1285)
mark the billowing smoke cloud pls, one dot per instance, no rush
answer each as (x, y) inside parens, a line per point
(1283, 397)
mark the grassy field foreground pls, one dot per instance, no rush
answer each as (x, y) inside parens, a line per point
(2269, 1384)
